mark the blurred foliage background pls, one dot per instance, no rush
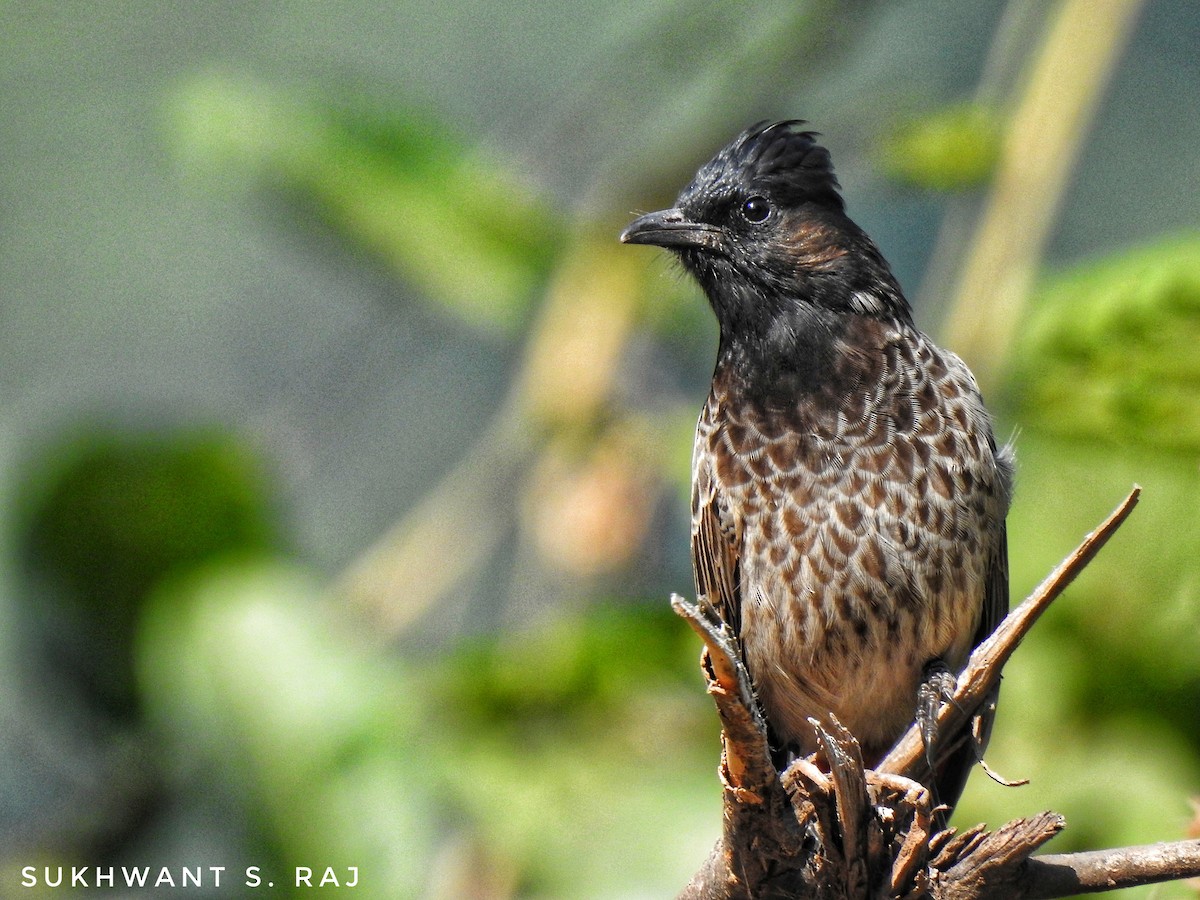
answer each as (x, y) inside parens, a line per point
(344, 453)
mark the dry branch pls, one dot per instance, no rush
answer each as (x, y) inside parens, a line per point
(1068, 874)
(829, 828)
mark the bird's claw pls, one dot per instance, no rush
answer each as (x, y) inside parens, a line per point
(937, 687)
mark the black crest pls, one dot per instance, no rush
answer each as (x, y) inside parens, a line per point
(778, 158)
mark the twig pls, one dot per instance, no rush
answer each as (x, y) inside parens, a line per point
(746, 765)
(755, 802)
(1068, 874)
(993, 864)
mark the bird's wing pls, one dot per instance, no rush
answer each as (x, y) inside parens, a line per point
(715, 555)
(952, 776)
(995, 597)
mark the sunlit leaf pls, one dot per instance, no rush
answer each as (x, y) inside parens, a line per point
(948, 150)
(434, 206)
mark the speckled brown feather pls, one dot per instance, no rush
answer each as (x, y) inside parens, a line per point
(855, 536)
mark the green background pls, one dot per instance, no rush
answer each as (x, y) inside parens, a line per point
(344, 453)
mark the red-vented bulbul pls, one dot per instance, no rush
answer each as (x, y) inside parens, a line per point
(848, 495)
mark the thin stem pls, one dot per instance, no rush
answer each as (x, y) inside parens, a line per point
(1065, 81)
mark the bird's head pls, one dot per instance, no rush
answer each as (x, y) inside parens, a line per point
(763, 228)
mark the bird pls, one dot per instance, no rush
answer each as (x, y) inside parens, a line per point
(849, 497)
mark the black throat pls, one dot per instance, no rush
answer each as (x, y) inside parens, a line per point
(776, 360)
(810, 362)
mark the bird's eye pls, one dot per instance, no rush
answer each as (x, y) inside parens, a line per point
(756, 210)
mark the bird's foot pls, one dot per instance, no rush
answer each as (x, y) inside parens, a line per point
(937, 687)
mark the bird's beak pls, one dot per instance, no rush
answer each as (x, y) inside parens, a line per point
(671, 228)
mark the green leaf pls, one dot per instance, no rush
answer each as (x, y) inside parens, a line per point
(600, 719)
(1111, 350)
(110, 512)
(253, 682)
(952, 149)
(105, 514)
(436, 208)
